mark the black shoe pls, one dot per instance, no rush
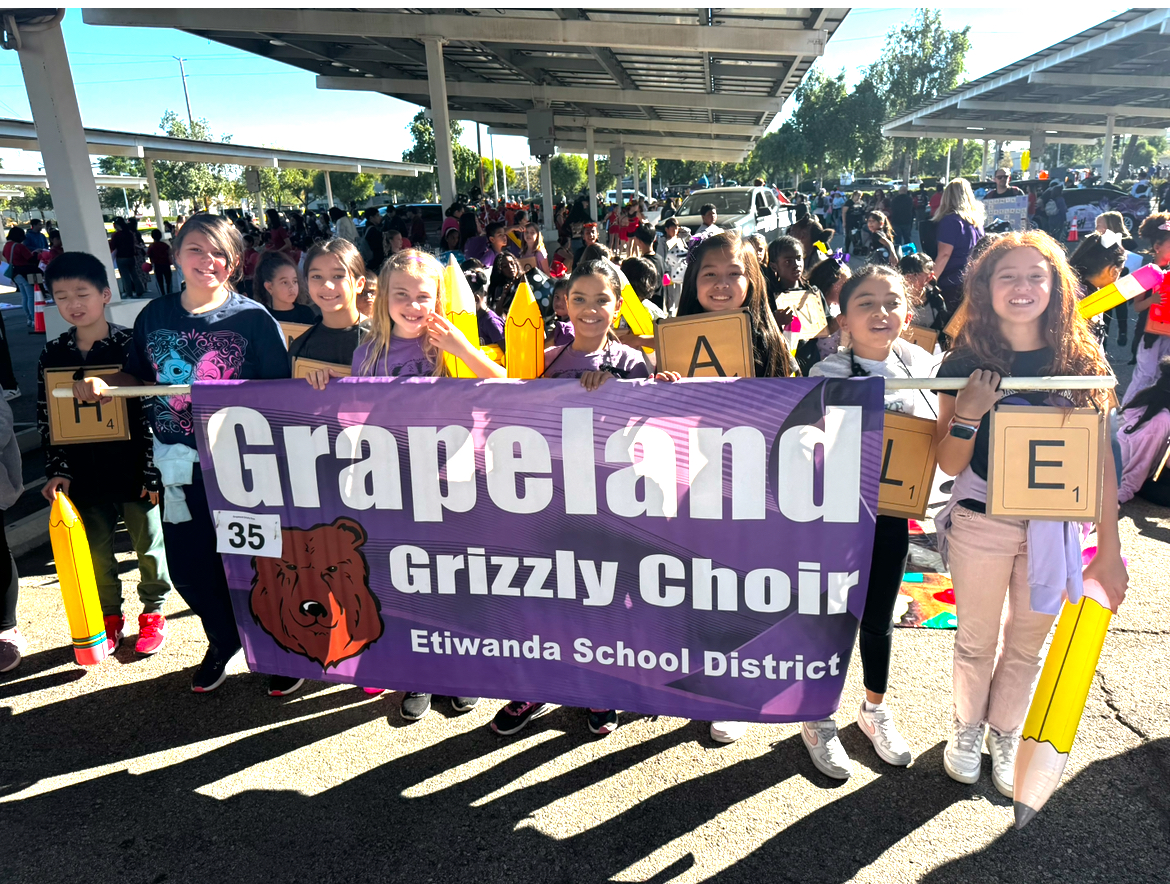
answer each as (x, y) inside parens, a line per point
(283, 685)
(464, 704)
(1122, 339)
(211, 672)
(947, 486)
(514, 717)
(415, 705)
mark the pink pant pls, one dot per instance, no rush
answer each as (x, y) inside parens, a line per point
(989, 560)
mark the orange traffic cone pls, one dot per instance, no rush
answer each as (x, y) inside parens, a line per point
(38, 310)
(1072, 233)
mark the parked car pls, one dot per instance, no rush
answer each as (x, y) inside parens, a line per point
(1086, 203)
(746, 209)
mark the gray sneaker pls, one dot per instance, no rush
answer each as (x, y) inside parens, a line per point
(1003, 759)
(879, 726)
(12, 648)
(825, 749)
(963, 756)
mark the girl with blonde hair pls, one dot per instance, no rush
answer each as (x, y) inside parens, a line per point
(960, 225)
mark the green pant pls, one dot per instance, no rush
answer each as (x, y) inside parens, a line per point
(144, 525)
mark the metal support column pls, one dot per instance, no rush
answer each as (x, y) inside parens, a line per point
(328, 190)
(441, 120)
(548, 227)
(51, 96)
(591, 168)
(154, 200)
(1107, 152)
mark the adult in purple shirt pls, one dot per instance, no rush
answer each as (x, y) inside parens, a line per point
(960, 226)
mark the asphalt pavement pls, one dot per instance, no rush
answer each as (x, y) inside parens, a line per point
(118, 772)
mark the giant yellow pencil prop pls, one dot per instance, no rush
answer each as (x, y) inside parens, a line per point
(634, 312)
(524, 336)
(461, 314)
(1126, 288)
(78, 587)
(1059, 701)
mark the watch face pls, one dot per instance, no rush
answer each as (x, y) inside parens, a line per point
(961, 432)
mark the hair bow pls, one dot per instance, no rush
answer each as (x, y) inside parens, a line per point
(1165, 225)
(841, 257)
(696, 240)
(1110, 238)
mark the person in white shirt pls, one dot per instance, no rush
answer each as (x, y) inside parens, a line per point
(709, 216)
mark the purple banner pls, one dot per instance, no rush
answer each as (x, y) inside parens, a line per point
(698, 549)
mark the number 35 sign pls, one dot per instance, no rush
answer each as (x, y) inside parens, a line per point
(248, 534)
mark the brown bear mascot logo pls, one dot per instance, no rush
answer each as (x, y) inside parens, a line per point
(315, 599)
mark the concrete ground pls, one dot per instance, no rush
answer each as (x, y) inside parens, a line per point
(119, 772)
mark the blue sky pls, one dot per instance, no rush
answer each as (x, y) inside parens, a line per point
(126, 78)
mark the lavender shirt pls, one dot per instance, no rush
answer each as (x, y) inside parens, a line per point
(405, 359)
(618, 359)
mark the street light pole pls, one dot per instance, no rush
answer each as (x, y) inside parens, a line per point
(187, 97)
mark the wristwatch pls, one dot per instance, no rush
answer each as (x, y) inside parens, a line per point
(962, 431)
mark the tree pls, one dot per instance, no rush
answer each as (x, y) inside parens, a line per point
(921, 60)
(569, 174)
(351, 187)
(115, 198)
(782, 153)
(682, 172)
(425, 186)
(198, 183)
(821, 118)
(35, 199)
(866, 109)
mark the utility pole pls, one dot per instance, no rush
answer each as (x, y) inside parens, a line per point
(183, 76)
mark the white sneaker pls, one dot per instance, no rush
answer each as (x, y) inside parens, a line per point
(728, 731)
(878, 725)
(12, 648)
(963, 756)
(825, 749)
(14, 393)
(1003, 760)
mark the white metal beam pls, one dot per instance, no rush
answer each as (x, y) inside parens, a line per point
(1101, 81)
(976, 135)
(574, 121)
(1031, 107)
(1027, 127)
(637, 140)
(660, 153)
(1151, 20)
(567, 94)
(722, 39)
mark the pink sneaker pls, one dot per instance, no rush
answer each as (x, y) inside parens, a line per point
(152, 632)
(114, 634)
(373, 692)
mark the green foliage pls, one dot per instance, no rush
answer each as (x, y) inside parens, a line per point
(822, 119)
(351, 187)
(35, 199)
(198, 183)
(683, 172)
(112, 197)
(569, 174)
(426, 187)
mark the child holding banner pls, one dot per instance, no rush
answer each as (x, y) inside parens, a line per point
(874, 309)
(1022, 320)
(595, 355)
(206, 332)
(409, 334)
(336, 275)
(107, 480)
(277, 285)
(409, 331)
(724, 275)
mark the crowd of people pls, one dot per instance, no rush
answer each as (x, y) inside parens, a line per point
(372, 292)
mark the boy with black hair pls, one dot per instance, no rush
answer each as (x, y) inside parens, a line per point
(105, 480)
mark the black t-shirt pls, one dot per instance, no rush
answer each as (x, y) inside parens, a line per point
(1025, 364)
(301, 313)
(1012, 190)
(239, 340)
(902, 208)
(326, 344)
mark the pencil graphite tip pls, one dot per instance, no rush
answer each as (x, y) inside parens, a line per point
(1024, 814)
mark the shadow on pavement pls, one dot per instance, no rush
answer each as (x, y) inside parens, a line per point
(1111, 822)
(153, 826)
